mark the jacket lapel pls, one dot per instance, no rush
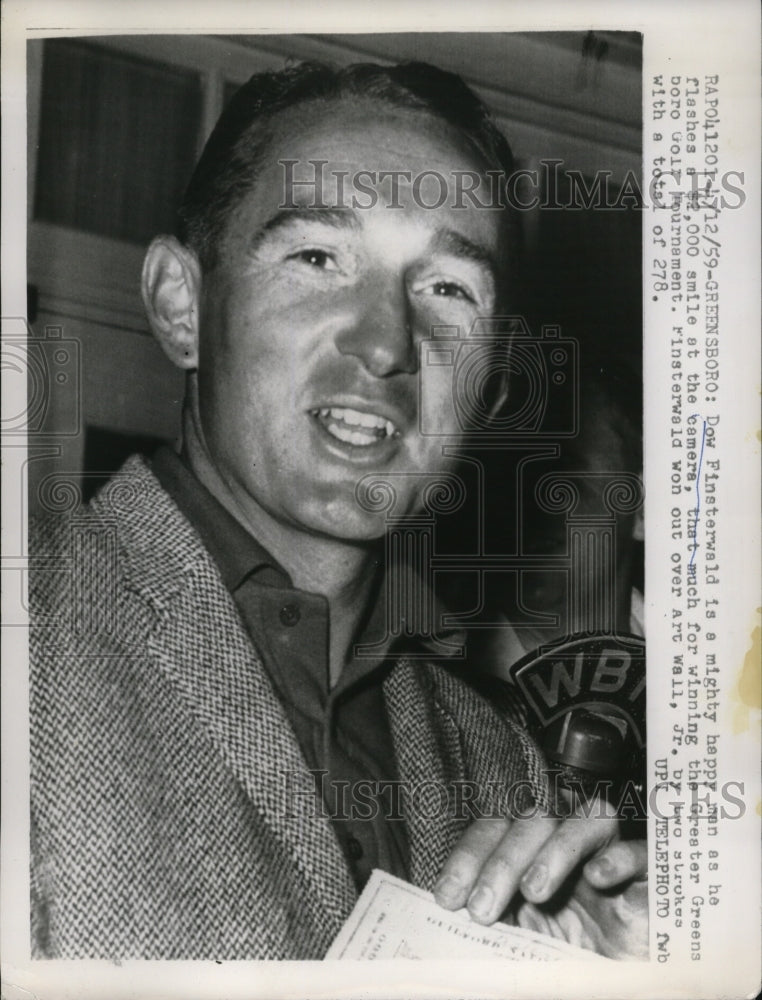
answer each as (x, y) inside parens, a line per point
(429, 759)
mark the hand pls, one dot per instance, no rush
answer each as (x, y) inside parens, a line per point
(578, 880)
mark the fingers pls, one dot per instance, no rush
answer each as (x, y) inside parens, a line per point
(571, 843)
(462, 868)
(620, 862)
(502, 872)
(496, 858)
(565, 925)
(616, 921)
(484, 870)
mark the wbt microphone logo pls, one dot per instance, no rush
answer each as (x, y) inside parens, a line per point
(586, 697)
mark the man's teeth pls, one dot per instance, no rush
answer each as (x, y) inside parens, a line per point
(355, 427)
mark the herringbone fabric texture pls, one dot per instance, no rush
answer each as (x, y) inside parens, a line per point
(161, 822)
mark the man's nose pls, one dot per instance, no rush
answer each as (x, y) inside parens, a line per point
(380, 329)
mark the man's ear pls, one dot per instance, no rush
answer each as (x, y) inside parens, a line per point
(171, 288)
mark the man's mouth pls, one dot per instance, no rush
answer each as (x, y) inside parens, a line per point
(354, 426)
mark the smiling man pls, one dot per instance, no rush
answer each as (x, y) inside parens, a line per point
(197, 761)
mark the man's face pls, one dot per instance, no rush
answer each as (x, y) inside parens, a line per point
(311, 322)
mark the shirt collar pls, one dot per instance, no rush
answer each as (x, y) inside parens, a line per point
(236, 553)
(239, 556)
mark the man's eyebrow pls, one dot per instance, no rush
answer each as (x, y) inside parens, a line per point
(338, 218)
(455, 243)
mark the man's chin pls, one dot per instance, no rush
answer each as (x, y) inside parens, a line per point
(349, 526)
(358, 509)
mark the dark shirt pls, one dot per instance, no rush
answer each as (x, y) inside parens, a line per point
(343, 732)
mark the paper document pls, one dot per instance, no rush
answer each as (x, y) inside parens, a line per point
(393, 919)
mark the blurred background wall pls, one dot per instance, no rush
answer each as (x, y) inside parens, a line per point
(114, 127)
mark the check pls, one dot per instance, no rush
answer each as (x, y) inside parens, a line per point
(393, 919)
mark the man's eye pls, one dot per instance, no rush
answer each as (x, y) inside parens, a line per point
(315, 258)
(450, 289)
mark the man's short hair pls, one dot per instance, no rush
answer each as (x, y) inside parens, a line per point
(228, 165)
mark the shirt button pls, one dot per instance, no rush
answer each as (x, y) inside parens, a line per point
(354, 849)
(290, 614)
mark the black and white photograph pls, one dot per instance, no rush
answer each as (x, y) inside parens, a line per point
(370, 413)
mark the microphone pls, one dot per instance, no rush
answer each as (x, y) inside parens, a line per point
(584, 698)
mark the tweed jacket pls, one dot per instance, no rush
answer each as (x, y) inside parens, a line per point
(161, 822)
